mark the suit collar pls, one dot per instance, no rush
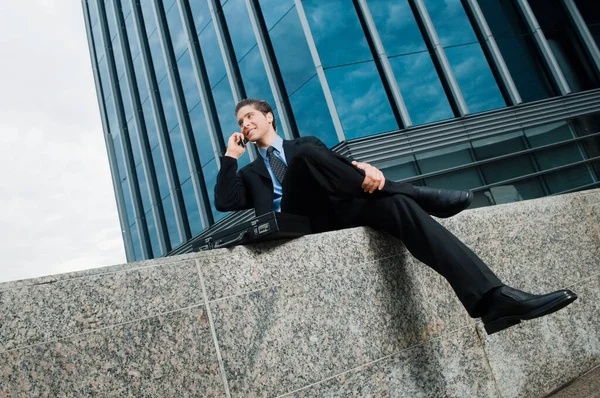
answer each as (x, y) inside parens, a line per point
(258, 165)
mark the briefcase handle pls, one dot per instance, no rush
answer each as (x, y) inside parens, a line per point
(220, 243)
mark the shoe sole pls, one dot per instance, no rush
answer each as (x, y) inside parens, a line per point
(499, 324)
(448, 215)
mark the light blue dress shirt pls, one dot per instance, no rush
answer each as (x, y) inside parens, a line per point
(277, 189)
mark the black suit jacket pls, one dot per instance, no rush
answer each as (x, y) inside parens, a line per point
(251, 187)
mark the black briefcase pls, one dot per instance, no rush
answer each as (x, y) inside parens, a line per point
(269, 226)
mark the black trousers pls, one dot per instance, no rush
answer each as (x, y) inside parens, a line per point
(326, 188)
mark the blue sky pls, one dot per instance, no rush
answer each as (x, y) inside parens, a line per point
(57, 206)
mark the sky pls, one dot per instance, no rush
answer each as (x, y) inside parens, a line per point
(57, 205)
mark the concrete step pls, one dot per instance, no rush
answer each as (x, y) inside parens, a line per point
(585, 386)
(343, 313)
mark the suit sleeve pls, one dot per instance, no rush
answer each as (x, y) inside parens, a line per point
(230, 191)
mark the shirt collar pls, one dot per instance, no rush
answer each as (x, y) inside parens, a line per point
(277, 144)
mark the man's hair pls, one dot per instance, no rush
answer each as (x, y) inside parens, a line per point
(260, 105)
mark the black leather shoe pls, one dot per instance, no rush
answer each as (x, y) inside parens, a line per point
(508, 307)
(442, 203)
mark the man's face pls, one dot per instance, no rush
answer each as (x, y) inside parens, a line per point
(253, 124)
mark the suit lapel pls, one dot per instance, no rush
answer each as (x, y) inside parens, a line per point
(258, 166)
(289, 147)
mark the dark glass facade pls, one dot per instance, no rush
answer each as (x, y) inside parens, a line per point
(416, 87)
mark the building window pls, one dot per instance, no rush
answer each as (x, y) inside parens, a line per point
(464, 53)
(562, 39)
(356, 86)
(411, 62)
(591, 15)
(298, 72)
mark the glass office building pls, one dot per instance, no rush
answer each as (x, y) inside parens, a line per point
(498, 96)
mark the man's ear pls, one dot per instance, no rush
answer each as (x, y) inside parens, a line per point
(270, 117)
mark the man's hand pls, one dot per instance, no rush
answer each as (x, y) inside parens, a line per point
(234, 150)
(374, 178)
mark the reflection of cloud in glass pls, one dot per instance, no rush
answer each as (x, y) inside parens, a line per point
(360, 100)
(167, 103)
(110, 17)
(178, 35)
(201, 136)
(215, 67)
(281, 129)
(311, 112)
(421, 88)
(143, 183)
(161, 177)
(93, 11)
(187, 76)
(98, 41)
(292, 52)
(128, 202)
(168, 4)
(475, 78)
(337, 32)
(134, 46)
(135, 242)
(200, 13)
(181, 163)
(118, 54)
(153, 233)
(104, 80)
(125, 7)
(171, 221)
(138, 67)
(240, 28)
(225, 107)
(160, 68)
(120, 156)
(273, 10)
(451, 22)
(149, 18)
(111, 115)
(150, 123)
(397, 27)
(254, 77)
(126, 98)
(191, 206)
(210, 179)
(133, 139)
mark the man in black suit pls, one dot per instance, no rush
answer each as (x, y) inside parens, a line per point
(303, 176)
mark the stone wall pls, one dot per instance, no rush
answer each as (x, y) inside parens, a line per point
(344, 313)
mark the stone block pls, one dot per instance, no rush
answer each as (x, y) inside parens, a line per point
(165, 356)
(103, 270)
(540, 254)
(284, 337)
(34, 313)
(452, 365)
(247, 268)
(587, 386)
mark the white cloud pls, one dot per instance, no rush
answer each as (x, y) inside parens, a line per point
(57, 206)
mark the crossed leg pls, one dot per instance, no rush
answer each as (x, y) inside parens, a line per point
(327, 189)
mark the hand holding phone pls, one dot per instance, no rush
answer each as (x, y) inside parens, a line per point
(236, 145)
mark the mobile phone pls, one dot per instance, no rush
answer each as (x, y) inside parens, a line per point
(243, 142)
